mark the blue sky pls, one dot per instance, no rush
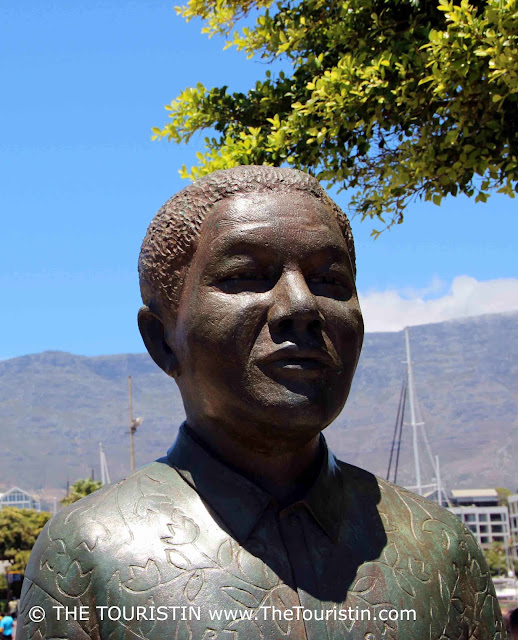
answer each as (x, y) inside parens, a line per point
(83, 83)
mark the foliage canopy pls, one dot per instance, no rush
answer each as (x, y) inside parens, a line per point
(19, 529)
(503, 494)
(80, 489)
(496, 559)
(395, 99)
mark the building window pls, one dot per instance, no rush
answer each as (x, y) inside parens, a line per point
(470, 517)
(497, 528)
(482, 517)
(496, 517)
(484, 528)
(484, 539)
(498, 538)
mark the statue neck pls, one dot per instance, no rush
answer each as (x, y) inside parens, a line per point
(284, 475)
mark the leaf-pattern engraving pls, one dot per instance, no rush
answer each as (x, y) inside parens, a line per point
(225, 553)
(74, 583)
(390, 554)
(145, 627)
(242, 596)
(404, 583)
(364, 584)
(252, 566)
(183, 529)
(347, 623)
(91, 533)
(419, 570)
(445, 540)
(245, 629)
(388, 627)
(444, 589)
(54, 556)
(434, 611)
(283, 625)
(183, 631)
(119, 633)
(144, 578)
(271, 577)
(152, 504)
(458, 605)
(194, 585)
(113, 590)
(479, 580)
(178, 559)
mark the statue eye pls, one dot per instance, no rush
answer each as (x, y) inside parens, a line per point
(327, 278)
(248, 275)
(246, 281)
(324, 279)
(330, 285)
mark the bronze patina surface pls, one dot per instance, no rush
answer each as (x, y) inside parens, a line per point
(249, 528)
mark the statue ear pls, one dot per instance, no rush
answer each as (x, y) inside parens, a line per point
(152, 331)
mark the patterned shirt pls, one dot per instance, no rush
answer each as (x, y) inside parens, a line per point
(188, 549)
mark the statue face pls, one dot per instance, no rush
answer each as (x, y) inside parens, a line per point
(268, 330)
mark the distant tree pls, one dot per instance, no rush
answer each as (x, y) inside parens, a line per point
(19, 529)
(503, 494)
(397, 99)
(80, 489)
(496, 560)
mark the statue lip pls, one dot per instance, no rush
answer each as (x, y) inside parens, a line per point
(296, 358)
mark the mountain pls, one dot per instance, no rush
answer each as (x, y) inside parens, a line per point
(56, 407)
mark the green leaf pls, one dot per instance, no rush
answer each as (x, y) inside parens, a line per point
(394, 118)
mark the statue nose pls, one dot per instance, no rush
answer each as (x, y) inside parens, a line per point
(294, 306)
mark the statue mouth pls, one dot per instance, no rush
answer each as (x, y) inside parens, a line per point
(296, 362)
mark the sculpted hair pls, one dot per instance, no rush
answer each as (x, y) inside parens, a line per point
(172, 236)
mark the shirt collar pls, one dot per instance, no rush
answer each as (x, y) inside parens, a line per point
(239, 502)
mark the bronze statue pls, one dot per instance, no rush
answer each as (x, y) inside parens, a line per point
(249, 528)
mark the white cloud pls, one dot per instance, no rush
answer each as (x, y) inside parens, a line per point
(393, 310)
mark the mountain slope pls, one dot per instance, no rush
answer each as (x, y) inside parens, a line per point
(56, 407)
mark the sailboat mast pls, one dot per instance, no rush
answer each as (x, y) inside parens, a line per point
(105, 475)
(411, 399)
(438, 479)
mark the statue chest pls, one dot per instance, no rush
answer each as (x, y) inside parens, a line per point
(174, 570)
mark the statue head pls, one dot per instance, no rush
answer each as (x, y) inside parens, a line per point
(248, 283)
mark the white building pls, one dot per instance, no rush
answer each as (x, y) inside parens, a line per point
(513, 524)
(480, 512)
(16, 497)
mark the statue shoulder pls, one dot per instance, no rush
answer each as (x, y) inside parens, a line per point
(85, 524)
(408, 516)
(79, 548)
(432, 517)
(430, 540)
(395, 502)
